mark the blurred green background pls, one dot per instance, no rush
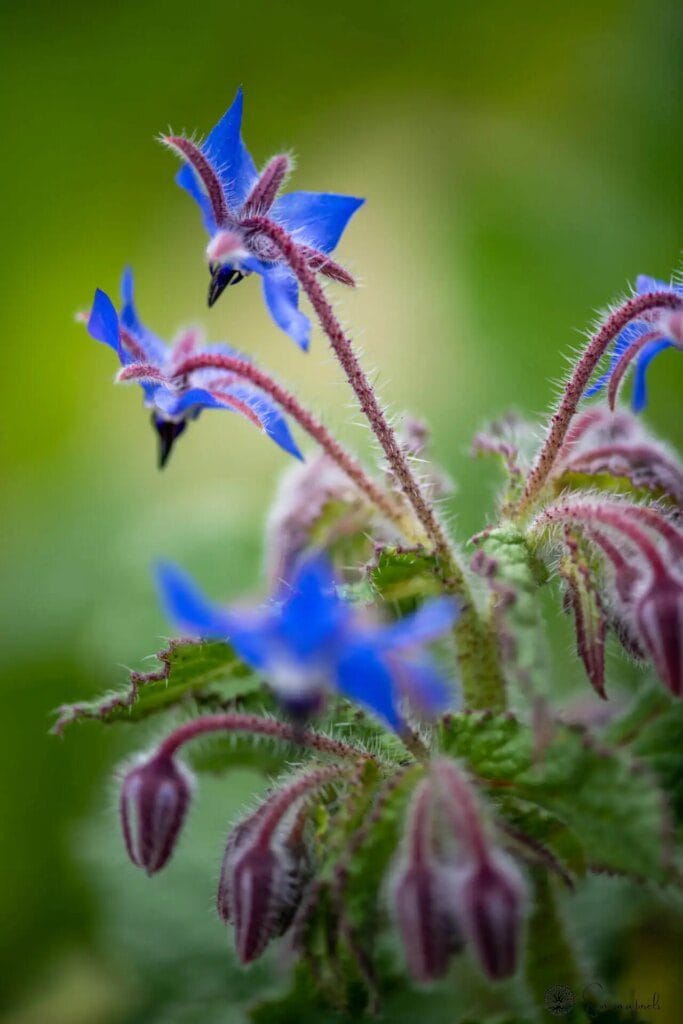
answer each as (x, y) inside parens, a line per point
(521, 163)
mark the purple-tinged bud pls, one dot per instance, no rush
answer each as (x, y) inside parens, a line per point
(659, 618)
(155, 796)
(265, 867)
(419, 896)
(490, 895)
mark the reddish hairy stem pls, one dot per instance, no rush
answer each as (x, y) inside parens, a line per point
(260, 726)
(464, 811)
(343, 349)
(306, 421)
(583, 371)
(286, 797)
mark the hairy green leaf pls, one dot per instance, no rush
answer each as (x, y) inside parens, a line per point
(187, 669)
(612, 806)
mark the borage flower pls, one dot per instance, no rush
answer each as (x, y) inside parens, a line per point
(309, 642)
(221, 176)
(176, 397)
(642, 341)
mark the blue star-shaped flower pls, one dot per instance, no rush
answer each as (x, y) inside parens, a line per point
(221, 176)
(645, 339)
(309, 641)
(173, 395)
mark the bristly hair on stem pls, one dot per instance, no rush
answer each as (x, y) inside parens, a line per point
(578, 382)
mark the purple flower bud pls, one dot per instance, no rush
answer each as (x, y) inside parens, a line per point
(265, 867)
(659, 616)
(419, 897)
(154, 799)
(489, 894)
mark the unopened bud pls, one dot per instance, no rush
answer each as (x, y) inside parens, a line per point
(490, 895)
(265, 867)
(659, 617)
(419, 896)
(155, 796)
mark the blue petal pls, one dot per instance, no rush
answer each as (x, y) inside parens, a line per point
(644, 284)
(252, 634)
(626, 338)
(316, 218)
(639, 397)
(281, 293)
(424, 686)
(363, 676)
(429, 622)
(103, 323)
(181, 403)
(274, 423)
(188, 180)
(175, 404)
(154, 347)
(186, 606)
(230, 157)
(313, 619)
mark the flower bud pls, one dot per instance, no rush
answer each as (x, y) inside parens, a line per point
(659, 617)
(419, 897)
(265, 867)
(489, 895)
(154, 799)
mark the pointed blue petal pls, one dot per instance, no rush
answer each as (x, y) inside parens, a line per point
(281, 293)
(184, 403)
(316, 218)
(645, 283)
(313, 618)
(423, 686)
(639, 396)
(626, 338)
(186, 606)
(224, 148)
(429, 622)
(363, 676)
(153, 346)
(274, 423)
(188, 180)
(103, 322)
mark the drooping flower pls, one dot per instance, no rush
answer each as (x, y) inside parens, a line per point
(642, 341)
(176, 397)
(221, 177)
(310, 641)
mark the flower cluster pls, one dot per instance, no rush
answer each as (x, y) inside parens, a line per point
(419, 801)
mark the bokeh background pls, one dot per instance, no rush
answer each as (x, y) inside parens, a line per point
(522, 163)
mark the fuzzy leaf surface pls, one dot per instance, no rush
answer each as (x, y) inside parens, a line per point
(188, 669)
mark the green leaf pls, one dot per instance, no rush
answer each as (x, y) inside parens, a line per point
(188, 669)
(653, 727)
(613, 808)
(549, 961)
(405, 577)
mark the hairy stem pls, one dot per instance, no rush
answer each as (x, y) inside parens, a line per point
(259, 726)
(367, 399)
(583, 371)
(313, 427)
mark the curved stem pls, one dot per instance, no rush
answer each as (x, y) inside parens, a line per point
(343, 349)
(583, 371)
(313, 427)
(260, 726)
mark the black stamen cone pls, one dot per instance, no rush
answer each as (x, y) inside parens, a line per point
(221, 277)
(168, 431)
